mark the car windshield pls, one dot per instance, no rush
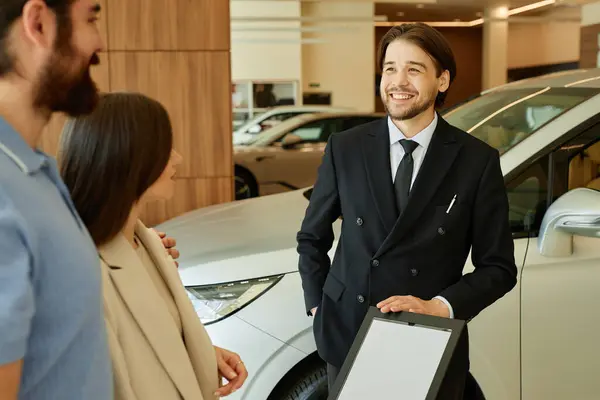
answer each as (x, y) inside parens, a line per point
(504, 118)
(270, 135)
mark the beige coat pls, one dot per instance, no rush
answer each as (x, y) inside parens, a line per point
(150, 359)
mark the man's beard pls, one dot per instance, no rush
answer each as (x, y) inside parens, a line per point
(59, 89)
(411, 112)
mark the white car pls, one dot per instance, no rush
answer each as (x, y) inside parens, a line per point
(287, 156)
(262, 122)
(540, 341)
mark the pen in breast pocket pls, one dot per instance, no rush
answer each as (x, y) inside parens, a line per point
(451, 204)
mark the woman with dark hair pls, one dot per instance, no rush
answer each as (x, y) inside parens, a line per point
(114, 161)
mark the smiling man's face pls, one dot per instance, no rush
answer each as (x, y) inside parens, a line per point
(409, 80)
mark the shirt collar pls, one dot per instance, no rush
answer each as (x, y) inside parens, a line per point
(14, 146)
(423, 138)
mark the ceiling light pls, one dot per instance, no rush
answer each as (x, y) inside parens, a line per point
(530, 7)
(478, 21)
(441, 24)
(277, 41)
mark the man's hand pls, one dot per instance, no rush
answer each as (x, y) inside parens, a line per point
(231, 367)
(314, 311)
(415, 305)
(169, 244)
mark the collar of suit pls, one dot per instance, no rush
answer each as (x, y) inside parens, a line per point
(440, 155)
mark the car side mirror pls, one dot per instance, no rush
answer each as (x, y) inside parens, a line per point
(290, 141)
(576, 213)
(255, 129)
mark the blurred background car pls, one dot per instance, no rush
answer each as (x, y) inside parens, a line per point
(287, 156)
(248, 131)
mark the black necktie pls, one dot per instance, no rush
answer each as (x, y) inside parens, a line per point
(404, 174)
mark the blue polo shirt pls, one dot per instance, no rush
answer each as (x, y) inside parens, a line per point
(51, 312)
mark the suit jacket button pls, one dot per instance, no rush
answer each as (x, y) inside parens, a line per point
(359, 221)
(360, 298)
(414, 272)
(441, 231)
(375, 263)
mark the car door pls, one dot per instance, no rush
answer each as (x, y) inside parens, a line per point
(494, 334)
(559, 296)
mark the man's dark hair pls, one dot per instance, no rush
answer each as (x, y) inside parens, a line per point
(430, 40)
(11, 10)
(109, 158)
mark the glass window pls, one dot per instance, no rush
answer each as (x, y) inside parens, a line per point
(311, 132)
(276, 119)
(527, 198)
(319, 131)
(271, 94)
(584, 168)
(356, 121)
(506, 117)
(240, 95)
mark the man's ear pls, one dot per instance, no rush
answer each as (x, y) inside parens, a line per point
(444, 80)
(39, 23)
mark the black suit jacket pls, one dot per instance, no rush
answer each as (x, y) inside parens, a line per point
(421, 252)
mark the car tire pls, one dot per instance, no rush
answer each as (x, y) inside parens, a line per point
(245, 185)
(308, 384)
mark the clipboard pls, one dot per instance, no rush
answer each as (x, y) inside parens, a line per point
(404, 352)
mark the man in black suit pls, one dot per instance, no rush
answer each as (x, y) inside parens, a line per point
(416, 195)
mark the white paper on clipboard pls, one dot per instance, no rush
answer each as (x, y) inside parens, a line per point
(395, 361)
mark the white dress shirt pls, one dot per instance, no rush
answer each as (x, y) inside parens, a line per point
(423, 139)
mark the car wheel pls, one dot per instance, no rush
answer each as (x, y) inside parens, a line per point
(309, 384)
(245, 185)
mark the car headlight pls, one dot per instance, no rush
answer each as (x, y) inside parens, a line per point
(216, 302)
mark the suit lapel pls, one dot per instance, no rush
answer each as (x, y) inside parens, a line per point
(440, 155)
(376, 151)
(151, 314)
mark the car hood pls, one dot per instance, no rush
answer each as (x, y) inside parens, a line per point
(238, 240)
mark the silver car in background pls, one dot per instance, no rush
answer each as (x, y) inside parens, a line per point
(272, 117)
(287, 156)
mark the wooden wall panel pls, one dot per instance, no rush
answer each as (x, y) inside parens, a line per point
(51, 136)
(589, 46)
(193, 88)
(189, 194)
(168, 24)
(176, 51)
